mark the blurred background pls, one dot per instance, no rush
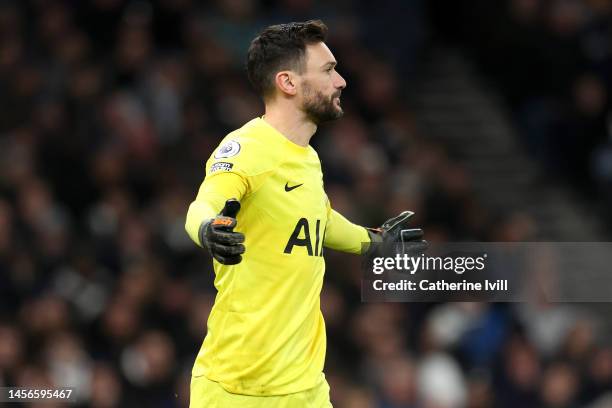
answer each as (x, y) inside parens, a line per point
(490, 119)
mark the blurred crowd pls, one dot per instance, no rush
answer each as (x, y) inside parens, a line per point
(109, 110)
(553, 61)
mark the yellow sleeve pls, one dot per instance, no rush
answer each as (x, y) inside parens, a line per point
(213, 193)
(238, 167)
(343, 235)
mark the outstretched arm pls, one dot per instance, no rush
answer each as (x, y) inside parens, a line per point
(343, 235)
(211, 198)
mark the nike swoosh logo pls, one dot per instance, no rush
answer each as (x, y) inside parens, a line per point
(287, 188)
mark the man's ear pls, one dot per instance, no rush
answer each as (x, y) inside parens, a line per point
(286, 82)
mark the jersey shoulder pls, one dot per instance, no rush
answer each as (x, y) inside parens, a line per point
(246, 151)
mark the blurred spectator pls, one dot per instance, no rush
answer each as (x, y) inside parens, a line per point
(559, 387)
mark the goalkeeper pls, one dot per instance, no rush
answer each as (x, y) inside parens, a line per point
(265, 345)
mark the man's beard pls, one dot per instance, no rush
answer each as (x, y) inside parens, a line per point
(320, 108)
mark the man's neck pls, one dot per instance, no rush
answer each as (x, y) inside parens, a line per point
(291, 123)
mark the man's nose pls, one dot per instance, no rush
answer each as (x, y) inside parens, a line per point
(340, 82)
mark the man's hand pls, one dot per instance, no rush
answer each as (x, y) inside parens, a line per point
(396, 231)
(218, 236)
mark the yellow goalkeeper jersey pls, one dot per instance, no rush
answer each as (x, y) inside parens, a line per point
(266, 334)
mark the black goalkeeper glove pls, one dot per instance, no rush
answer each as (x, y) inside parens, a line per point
(396, 232)
(218, 235)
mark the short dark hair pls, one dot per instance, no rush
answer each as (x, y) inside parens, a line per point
(279, 47)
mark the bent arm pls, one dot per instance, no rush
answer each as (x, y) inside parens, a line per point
(343, 235)
(214, 192)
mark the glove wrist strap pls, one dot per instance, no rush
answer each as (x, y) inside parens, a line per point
(202, 232)
(375, 238)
